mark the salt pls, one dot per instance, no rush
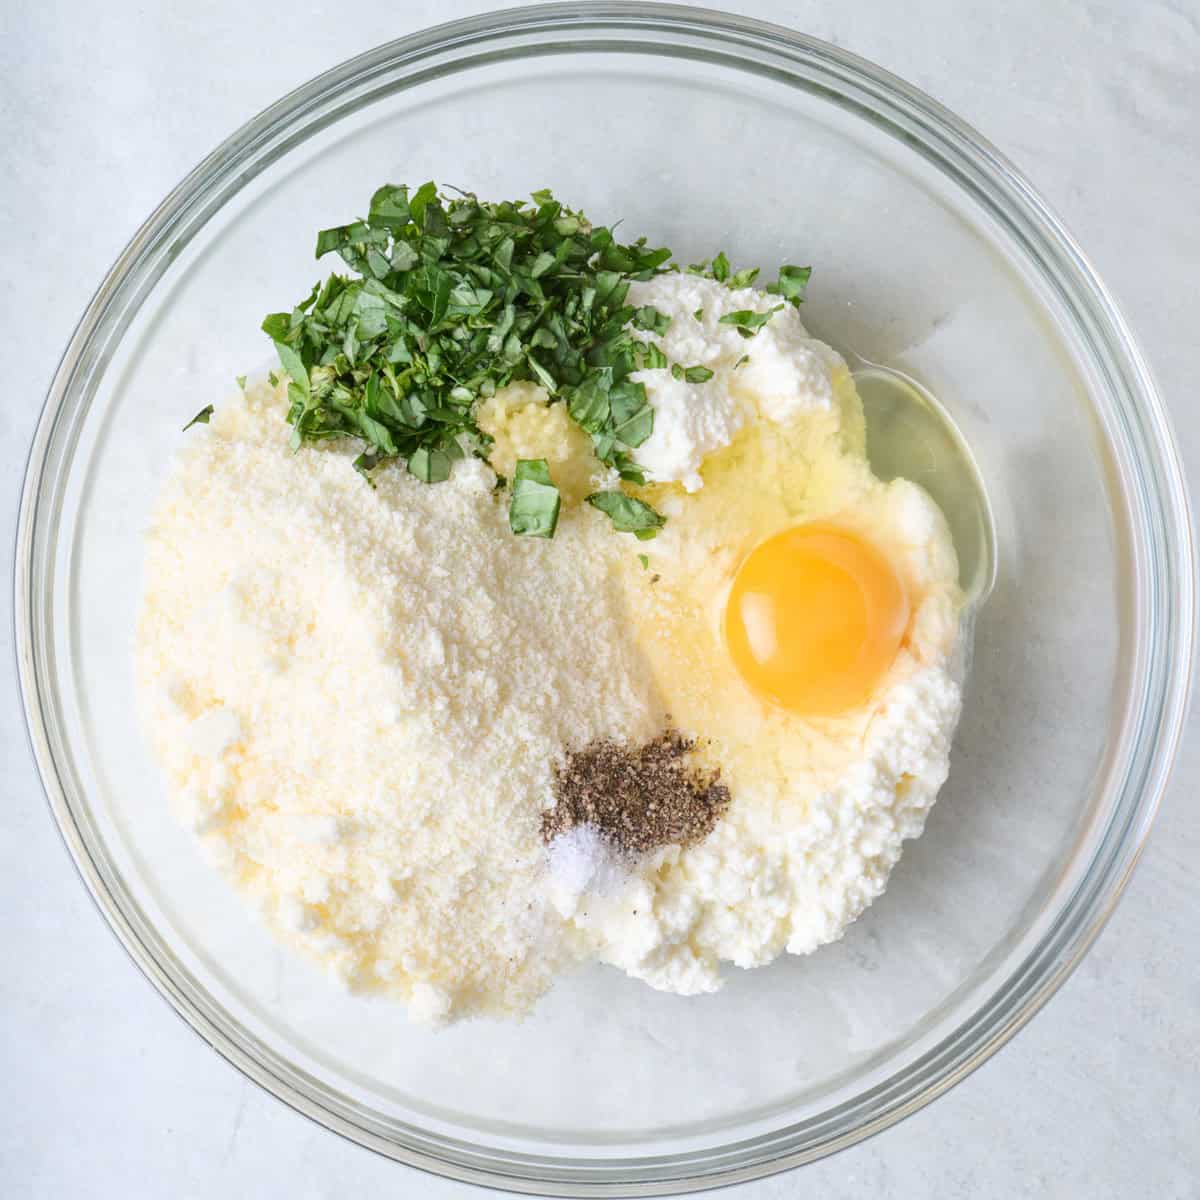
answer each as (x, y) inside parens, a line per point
(582, 859)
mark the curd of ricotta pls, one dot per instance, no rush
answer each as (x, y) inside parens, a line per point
(774, 375)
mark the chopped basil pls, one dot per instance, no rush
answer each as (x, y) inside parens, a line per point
(629, 470)
(241, 382)
(748, 321)
(632, 418)
(644, 561)
(792, 284)
(448, 300)
(651, 358)
(429, 466)
(695, 374)
(719, 270)
(201, 418)
(650, 319)
(628, 514)
(364, 464)
(452, 299)
(533, 510)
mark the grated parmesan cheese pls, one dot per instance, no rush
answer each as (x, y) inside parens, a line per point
(358, 696)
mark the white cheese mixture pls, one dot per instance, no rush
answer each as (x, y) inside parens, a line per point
(359, 695)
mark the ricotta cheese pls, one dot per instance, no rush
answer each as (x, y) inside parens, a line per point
(774, 375)
(771, 878)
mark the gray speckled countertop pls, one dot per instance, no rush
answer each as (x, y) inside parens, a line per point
(104, 108)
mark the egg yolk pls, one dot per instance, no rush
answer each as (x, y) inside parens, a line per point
(814, 619)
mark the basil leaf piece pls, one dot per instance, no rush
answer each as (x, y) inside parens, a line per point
(628, 514)
(792, 284)
(276, 325)
(364, 464)
(292, 364)
(650, 319)
(748, 321)
(533, 509)
(425, 194)
(589, 404)
(431, 289)
(429, 466)
(632, 416)
(696, 374)
(389, 207)
(542, 375)
(652, 358)
(629, 470)
(201, 418)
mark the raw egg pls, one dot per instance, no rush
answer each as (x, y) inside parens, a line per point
(814, 619)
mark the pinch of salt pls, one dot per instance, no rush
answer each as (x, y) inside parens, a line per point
(582, 860)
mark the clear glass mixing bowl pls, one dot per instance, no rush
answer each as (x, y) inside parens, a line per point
(931, 255)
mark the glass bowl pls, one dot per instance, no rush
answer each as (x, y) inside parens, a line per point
(932, 255)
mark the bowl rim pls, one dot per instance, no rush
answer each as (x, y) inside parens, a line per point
(1164, 541)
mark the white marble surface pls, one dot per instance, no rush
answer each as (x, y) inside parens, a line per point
(105, 107)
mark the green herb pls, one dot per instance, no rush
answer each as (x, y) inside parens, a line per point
(792, 284)
(744, 359)
(201, 418)
(449, 299)
(630, 471)
(650, 357)
(644, 561)
(364, 464)
(628, 514)
(272, 379)
(650, 319)
(533, 510)
(748, 321)
(241, 382)
(718, 269)
(695, 374)
(699, 314)
(455, 298)
(433, 466)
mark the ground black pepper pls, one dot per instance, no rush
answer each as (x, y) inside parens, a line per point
(639, 797)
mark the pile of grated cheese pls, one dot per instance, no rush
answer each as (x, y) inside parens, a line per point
(358, 696)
